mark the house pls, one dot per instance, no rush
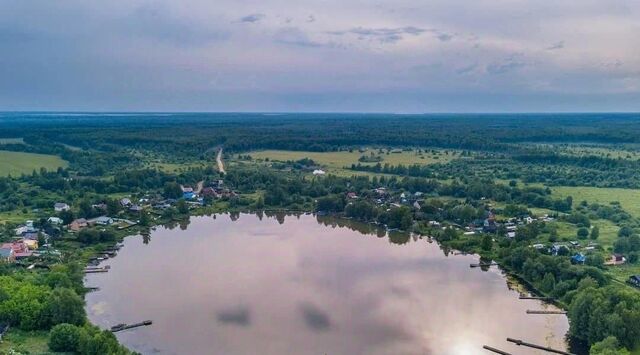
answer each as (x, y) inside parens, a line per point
(578, 259)
(559, 249)
(319, 172)
(135, 208)
(616, 259)
(125, 202)
(32, 244)
(538, 246)
(7, 255)
(381, 191)
(634, 280)
(55, 221)
(20, 249)
(102, 220)
(528, 220)
(59, 207)
(511, 235)
(209, 192)
(352, 195)
(78, 224)
(416, 205)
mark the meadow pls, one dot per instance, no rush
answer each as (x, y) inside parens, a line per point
(336, 162)
(17, 163)
(629, 199)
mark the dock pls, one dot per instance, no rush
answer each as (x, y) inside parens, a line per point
(529, 311)
(539, 347)
(483, 264)
(497, 351)
(522, 297)
(95, 269)
(123, 326)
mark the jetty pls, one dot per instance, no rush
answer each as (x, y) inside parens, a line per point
(484, 264)
(497, 351)
(539, 347)
(122, 326)
(530, 311)
(523, 297)
(95, 269)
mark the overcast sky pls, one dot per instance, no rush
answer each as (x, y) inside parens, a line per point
(332, 55)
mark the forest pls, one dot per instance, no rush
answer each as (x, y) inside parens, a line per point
(502, 176)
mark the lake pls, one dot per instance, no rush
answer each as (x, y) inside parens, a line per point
(253, 284)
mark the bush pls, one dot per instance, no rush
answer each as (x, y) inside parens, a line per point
(64, 338)
(582, 233)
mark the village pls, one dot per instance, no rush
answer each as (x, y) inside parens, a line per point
(497, 227)
(32, 240)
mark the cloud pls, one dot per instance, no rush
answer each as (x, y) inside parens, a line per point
(235, 316)
(510, 63)
(383, 35)
(253, 18)
(295, 37)
(557, 45)
(316, 319)
(467, 69)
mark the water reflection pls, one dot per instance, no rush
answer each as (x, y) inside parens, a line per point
(298, 284)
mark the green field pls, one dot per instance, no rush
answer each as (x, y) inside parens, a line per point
(629, 198)
(17, 163)
(11, 141)
(335, 162)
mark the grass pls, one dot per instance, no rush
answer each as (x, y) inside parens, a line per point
(629, 198)
(26, 342)
(335, 162)
(17, 163)
(11, 141)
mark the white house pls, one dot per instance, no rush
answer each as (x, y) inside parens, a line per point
(319, 172)
(54, 220)
(60, 206)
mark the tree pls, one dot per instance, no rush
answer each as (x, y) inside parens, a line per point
(64, 337)
(486, 242)
(182, 206)
(595, 233)
(625, 231)
(144, 219)
(608, 346)
(548, 282)
(65, 306)
(172, 190)
(582, 233)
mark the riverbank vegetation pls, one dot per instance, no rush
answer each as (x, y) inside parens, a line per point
(551, 203)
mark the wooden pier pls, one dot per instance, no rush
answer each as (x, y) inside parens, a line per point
(483, 264)
(497, 351)
(539, 347)
(121, 327)
(522, 297)
(529, 311)
(96, 269)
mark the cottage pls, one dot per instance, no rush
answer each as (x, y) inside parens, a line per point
(125, 202)
(616, 259)
(32, 244)
(319, 172)
(135, 208)
(103, 221)
(78, 224)
(578, 259)
(511, 235)
(55, 221)
(20, 249)
(7, 255)
(416, 205)
(352, 195)
(634, 280)
(59, 207)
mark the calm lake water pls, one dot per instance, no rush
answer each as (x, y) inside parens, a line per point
(308, 285)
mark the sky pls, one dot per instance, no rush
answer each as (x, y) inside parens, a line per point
(403, 56)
